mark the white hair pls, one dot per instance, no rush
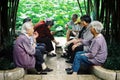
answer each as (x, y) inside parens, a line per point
(26, 26)
(98, 26)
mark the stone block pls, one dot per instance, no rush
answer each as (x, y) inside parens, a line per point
(1, 75)
(118, 75)
(103, 73)
(14, 74)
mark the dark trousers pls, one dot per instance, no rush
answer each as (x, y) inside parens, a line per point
(40, 49)
(47, 41)
(71, 53)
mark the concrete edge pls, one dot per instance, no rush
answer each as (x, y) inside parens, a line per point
(118, 74)
(104, 73)
(2, 75)
(14, 74)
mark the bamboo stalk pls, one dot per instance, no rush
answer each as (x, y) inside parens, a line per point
(80, 7)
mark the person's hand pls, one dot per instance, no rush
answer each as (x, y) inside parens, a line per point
(56, 43)
(69, 42)
(52, 32)
(76, 41)
(35, 34)
(74, 33)
(76, 45)
(66, 27)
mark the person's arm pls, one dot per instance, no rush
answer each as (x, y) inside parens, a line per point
(66, 27)
(85, 42)
(94, 48)
(48, 33)
(29, 49)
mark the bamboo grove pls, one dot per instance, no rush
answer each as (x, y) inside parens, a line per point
(108, 12)
(8, 10)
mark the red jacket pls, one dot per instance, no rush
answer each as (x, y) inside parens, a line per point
(43, 30)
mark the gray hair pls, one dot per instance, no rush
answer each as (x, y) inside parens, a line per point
(98, 26)
(26, 26)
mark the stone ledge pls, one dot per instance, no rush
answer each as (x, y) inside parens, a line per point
(1, 75)
(103, 73)
(118, 75)
(13, 74)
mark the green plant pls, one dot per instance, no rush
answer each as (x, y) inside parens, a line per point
(6, 58)
(60, 11)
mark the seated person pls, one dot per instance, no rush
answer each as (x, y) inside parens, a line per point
(38, 45)
(97, 52)
(24, 52)
(45, 35)
(72, 28)
(84, 33)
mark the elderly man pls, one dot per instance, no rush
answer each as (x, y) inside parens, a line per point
(72, 28)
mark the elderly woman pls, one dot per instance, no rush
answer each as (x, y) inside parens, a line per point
(24, 51)
(97, 52)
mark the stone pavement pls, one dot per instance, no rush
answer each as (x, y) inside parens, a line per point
(58, 64)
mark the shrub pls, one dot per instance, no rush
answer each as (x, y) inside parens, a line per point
(6, 58)
(113, 60)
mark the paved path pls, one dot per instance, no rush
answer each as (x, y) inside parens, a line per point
(58, 64)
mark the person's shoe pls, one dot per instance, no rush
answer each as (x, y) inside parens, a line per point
(69, 61)
(64, 55)
(54, 55)
(45, 52)
(70, 72)
(51, 55)
(68, 69)
(42, 73)
(47, 70)
(31, 71)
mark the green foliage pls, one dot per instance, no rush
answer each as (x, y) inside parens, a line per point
(6, 64)
(6, 58)
(113, 60)
(38, 10)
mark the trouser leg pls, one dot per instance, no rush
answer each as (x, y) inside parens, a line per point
(78, 60)
(39, 59)
(48, 43)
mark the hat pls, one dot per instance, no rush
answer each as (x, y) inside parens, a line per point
(77, 21)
